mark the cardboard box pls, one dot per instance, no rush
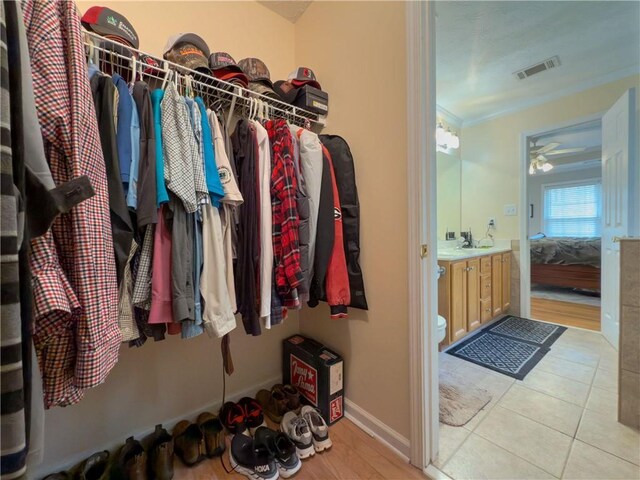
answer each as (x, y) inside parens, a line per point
(318, 372)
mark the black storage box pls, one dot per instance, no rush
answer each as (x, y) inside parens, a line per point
(317, 372)
(312, 99)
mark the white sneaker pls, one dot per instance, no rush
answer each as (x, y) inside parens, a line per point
(297, 429)
(319, 428)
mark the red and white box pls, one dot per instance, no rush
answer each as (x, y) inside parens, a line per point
(318, 372)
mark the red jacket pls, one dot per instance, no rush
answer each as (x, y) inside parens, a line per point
(337, 280)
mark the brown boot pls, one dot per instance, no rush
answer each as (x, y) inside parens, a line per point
(96, 467)
(274, 403)
(189, 443)
(159, 446)
(293, 397)
(213, 436)
(130, 462)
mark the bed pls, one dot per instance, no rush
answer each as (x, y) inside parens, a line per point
(566, 262)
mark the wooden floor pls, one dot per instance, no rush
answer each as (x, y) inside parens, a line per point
(566, 313)
(354, 455)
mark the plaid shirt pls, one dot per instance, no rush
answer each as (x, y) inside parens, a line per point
(286, 251)
(74, 275)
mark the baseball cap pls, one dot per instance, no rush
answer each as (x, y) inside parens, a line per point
(188, 50)
(225, 68)
(304, 76)
(286, 91)
(110, 24)
(262, 89)
(256, 71)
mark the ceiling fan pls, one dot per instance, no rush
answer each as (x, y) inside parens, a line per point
(538, 155)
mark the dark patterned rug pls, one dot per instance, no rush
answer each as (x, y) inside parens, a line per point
(511, 346)
(539, 333)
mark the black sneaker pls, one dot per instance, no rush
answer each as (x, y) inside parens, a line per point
(282, 448)
(251, 459)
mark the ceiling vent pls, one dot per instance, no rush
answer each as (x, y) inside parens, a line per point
(547, 64)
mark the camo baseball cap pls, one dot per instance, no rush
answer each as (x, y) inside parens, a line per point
(110, 24)
(188, 50)
(256, 70)
(263, 89)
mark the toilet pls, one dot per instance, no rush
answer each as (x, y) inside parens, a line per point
(442, 328)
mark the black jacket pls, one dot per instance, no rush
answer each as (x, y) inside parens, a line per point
(350, 206)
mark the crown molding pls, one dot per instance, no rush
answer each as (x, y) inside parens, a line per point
(452, 119)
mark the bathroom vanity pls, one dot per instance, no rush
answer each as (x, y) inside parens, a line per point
(474, 288)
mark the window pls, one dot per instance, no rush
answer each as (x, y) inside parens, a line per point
(573, 210)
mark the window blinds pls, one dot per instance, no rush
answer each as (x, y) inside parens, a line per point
(573, 210)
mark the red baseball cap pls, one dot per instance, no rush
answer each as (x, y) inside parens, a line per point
(110, 24)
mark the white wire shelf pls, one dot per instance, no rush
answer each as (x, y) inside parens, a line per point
(113, 57)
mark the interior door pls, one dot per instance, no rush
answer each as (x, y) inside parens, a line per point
(617, 180)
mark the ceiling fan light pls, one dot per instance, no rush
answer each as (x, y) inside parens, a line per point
(546, 167)
(441, 135)
(455, 141)
(532, 170)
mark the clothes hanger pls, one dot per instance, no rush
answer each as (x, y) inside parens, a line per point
(134, 65)
(168, 73)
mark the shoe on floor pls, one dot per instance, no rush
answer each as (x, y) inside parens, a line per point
(159, 446)
(253, 415)
(232, 417)
(96, 467)
(213, 434)
(293, 397)
(130, 462)
(319, 428)
(188, 443)
(274, 403)
(282, 448)
(58, 476)
(252, 460)
(297, 429)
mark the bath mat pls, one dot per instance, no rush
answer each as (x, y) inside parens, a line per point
(460, 401)
(539, 333)
(499, 353)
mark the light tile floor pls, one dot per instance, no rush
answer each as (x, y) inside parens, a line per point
(559, 422)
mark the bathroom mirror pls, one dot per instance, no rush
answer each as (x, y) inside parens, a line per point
(449, 172)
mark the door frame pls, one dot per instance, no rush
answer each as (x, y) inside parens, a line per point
(525, 257)
(421, 189)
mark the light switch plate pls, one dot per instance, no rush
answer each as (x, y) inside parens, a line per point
(510, 210)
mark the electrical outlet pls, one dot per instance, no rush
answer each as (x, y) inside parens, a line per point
(510, 210)
(491, 223)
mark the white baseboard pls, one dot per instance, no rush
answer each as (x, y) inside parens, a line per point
(377, 429)
(42, 470)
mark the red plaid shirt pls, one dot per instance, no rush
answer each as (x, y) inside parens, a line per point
(286, 252)
(74, 276)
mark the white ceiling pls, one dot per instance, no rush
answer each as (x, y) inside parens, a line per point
(292, 10)
(480, 44)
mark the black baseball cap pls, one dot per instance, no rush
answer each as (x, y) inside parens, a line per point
(110, 24)
(286, 91)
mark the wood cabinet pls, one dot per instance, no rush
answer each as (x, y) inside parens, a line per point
(506, 281)
(496, 284)
(472, 292)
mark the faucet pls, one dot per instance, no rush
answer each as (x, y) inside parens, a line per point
(461, 243)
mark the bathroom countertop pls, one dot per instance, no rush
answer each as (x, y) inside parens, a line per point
(466, 253)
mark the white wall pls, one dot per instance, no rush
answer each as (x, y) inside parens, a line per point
(491, 154)
(534, 192)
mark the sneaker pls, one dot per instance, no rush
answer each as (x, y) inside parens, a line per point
(297, 429)
(253, 415)
(232, 417)
(282, 448)
(319, 428)
(251, 459)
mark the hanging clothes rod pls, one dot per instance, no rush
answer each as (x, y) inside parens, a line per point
(113, 57)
